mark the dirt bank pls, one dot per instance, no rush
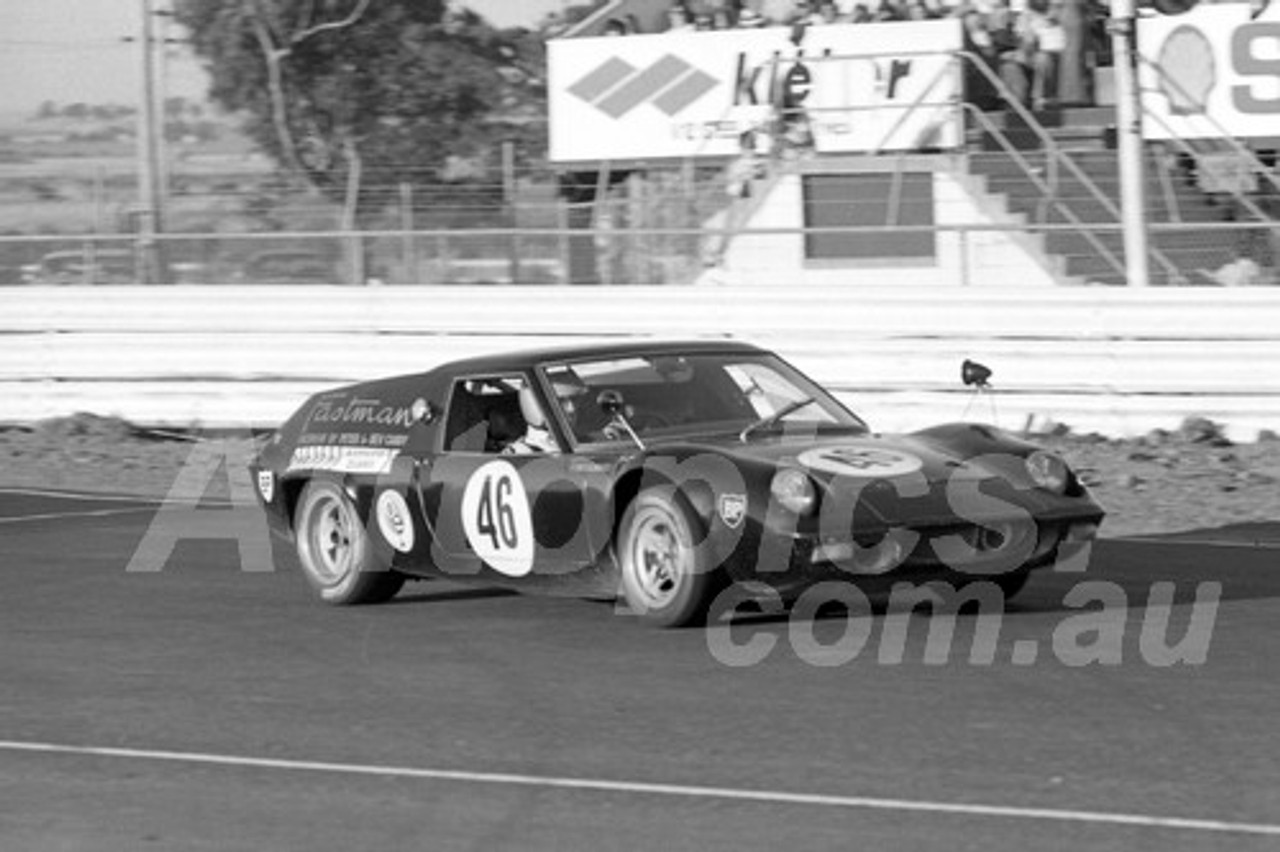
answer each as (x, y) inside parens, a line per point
(1164, 482)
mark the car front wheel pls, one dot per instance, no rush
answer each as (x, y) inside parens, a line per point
(665, 578)
(334, 549)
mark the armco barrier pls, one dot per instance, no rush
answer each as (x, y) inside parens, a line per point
(1112, 360)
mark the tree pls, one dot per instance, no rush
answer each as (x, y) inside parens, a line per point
(556, 22)
(337, 89)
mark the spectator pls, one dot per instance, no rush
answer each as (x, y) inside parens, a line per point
(1017, 68)
(614, 27)
(726, 16)
(779, 11)
(887, 11)
(1045, 28)
(860, 14)
(712, 14)
(983, 57)
(826, 13)
(678, 19)
(750, 19)
(1000, 23)
(916, 10)
(1023, 65)
(747, 167)
(1074, 84)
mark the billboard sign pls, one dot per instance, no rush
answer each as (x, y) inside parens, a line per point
(1212, 72)
(863, 87)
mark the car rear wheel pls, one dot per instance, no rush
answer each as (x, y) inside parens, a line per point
(334, 549)
(665, 578)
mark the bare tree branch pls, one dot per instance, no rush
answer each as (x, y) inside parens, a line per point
(261, 15)
(355, 15)
(275, 89)
(308, 15)
(274, 53)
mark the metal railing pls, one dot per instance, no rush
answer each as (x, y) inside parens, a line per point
(1056, 159)
(966, 255)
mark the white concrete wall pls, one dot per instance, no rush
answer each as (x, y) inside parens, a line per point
(1113, 360)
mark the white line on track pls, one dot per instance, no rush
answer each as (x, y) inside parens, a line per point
(82, 495)
(1201, 542)
(776, 797)
(91, 497)
(88, 513)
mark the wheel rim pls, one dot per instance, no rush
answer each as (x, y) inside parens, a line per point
(331, 539)
(659, 558)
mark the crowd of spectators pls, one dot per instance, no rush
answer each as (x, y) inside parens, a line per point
(1043, 51)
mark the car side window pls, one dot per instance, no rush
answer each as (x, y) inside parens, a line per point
(484, 414)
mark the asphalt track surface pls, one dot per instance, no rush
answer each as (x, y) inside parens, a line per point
(208, 706)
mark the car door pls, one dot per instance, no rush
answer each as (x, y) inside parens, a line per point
(532, 519)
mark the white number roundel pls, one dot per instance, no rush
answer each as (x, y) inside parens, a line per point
(496, 517)
(394, 521)
(854, 460)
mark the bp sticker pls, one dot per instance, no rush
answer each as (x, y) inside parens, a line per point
(496, 517)
(266, 485)
(394, 521)
(854, 460)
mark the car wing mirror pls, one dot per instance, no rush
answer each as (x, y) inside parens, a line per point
(423, 412)
(974, 374)
(612, 403)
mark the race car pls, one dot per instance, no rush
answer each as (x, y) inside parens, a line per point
(658, 473)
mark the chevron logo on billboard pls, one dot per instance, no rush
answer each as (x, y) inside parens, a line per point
(617, 87)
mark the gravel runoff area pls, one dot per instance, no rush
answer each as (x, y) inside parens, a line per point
(1191, 478)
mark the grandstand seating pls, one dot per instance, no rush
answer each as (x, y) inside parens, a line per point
(1180, 255)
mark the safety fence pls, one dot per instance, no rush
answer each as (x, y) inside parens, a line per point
(968, 254)
(1113, 360)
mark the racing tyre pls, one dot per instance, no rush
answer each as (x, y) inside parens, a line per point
(334, 549)
(665, 578)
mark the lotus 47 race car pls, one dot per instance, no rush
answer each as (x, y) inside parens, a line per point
(661, 474)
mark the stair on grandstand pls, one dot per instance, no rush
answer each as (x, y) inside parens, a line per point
(1172, 197)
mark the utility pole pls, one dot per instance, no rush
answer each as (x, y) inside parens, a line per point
(151, 264)
(1129, 141)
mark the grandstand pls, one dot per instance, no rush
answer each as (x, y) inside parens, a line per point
(995, 193)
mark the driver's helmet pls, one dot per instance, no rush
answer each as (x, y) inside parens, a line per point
(531, 409)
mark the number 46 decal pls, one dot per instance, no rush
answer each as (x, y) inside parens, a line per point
(495, 501)
(496, 517)
(861, 461)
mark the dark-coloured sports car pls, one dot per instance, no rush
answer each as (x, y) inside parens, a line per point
(659, 473)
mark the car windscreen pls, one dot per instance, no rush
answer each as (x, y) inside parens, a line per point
(677, 395)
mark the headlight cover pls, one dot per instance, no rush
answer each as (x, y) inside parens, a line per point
(1048, 471)
(794, 490)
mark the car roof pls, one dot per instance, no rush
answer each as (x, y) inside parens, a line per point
(525, 359)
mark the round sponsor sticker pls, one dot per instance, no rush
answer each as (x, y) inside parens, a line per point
(497, 520)
(266, 485)
(394, 521)
(856, 460)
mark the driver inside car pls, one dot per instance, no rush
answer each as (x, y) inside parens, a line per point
(537, 437)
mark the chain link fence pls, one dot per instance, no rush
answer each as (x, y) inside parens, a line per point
(241, 222)
(1227, 254)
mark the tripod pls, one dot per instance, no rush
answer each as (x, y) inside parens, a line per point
(977, 376)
